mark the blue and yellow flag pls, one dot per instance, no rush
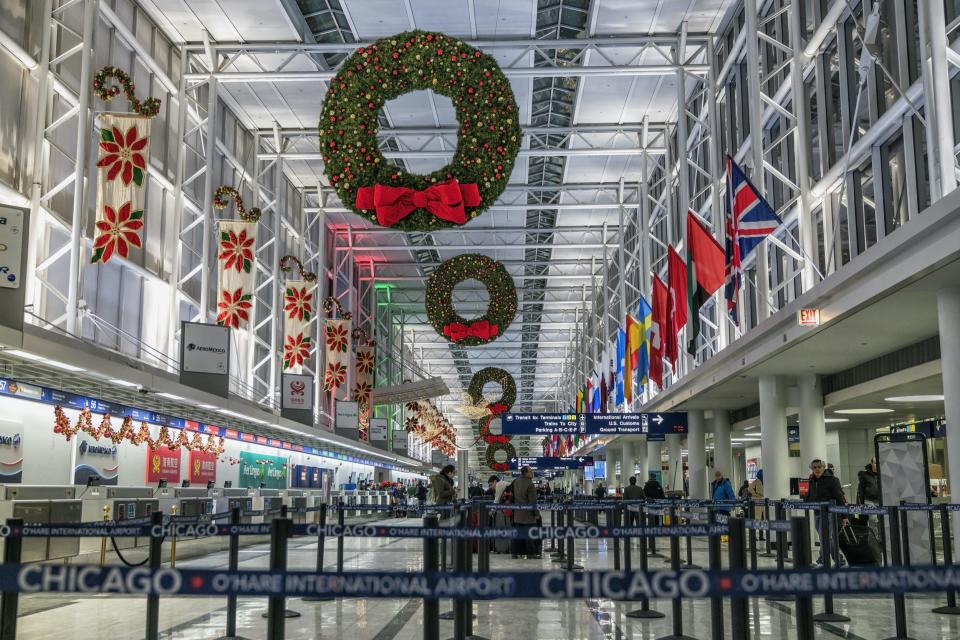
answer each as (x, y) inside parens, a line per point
(645, 314)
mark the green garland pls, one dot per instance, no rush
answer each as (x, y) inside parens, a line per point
(500, 311)
(508, 386)
(148, 108)
(490, 456)
(489, 133)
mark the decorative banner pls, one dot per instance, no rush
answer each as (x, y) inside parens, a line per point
(363, 384)
(203, 468)
(163, 464)
(258, 470)
(238, 241)
(298, 312)
(11, 453)
(121, 184)
(336, 350)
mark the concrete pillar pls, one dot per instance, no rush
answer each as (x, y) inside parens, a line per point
(774, 455)
(626, 463)
(813, 430)
(697, 454)
(640, 458)
(674, 478)
(610, 478)
(722, 447)
(653, 457)
(948, 308)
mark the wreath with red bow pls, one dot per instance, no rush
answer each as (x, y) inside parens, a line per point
(508, 395)
(488, 137)
(490, 456)
(501, 308)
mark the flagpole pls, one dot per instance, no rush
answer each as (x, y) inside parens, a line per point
(604, 321)
(623, 279)
(596, 328)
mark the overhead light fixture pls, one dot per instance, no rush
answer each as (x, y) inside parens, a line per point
(122, 383)
(836, 419)
(917, 398)
(53, 363)
(172, 396)
(756, 426)
(208, 406)
(862, 412)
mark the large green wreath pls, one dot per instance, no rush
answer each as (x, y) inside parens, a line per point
(490, 456)
(488, 138)
(508, 386)
(500, 310)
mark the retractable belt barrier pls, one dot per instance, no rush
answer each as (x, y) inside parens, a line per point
(768, 525)
(35, 578)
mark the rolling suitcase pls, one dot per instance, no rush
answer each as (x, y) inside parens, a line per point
(501, 521)
(859, 544)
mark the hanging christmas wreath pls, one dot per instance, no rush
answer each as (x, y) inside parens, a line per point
(508, 387)
(490, 457)
(488, 139)
(501, 308)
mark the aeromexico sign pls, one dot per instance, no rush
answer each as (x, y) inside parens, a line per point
(96, 459)
(258, 469)
(11, 457)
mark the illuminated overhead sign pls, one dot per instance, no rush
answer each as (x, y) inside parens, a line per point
(532, 424)
(808, 317)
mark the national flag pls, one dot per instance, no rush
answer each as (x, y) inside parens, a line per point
(677, 302)
(620, 370)
(644, 312)
(611, 376)
(603, 393)
(580, 401)
(658, 325)
(588, 398)
(633, 343)
(750, 219)
(705, 273)
(594, 392)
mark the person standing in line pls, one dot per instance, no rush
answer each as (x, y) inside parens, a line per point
(868, 492)
(824, 487)
(653, 490)
(441, 485)
(756, 494)
(491, 492)
(524, 493)
(744, 492)
(721, 489)
(633, 492)
(421, 493)
(600, 492)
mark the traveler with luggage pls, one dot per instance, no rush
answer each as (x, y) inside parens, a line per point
(825, 488)
(524, 493)
(633, 492)
(441, 485)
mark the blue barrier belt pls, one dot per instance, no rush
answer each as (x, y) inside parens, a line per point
(768, 525)
(919, 506)
(858, 510)
(37, 578)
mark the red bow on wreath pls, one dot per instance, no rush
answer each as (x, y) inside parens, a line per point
(482, 329)
(497, 408)
(445, 200)
(500, 466)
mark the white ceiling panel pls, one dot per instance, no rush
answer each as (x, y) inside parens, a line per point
(225, 20)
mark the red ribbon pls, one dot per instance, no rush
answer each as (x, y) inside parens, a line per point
(497, 408)
(457, 331)
(445, 200)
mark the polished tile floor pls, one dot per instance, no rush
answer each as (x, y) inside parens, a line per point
(44, 617)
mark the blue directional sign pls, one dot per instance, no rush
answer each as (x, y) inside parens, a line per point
(532, 424)
(567, 462)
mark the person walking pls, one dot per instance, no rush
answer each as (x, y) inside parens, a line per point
(600, 492)
(744, 491)
(524, 493)
(825, 487)
(633, 492)
(441, 485)
(421, 493)
(868, 493)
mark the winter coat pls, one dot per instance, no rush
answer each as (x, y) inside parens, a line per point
(868, 489)
(524, 492)
(826, 489)
(723, 490)
(653, 491)
(441, 489)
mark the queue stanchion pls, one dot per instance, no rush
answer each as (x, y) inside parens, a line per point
(951, 608)
(676, 603)
(827, 529)
(12, 554)
(571, 551)
(781, 555)
(750, 515)
(458, 565)
(689, 548)
(233, 562)
(553, 541)
(654, 520)
(896, 558)
(153, 562)
(905, 559)
(431, 564)
(627, 542)
(561, 555)
(615, 513)
(321, 541)
(803, 614)
(340, 521)
(483, 548)
(713, 554)
(767, 550)
(644, 612)
(277, 612)
(737, 559)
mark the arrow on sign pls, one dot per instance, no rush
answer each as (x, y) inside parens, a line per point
(658, 419)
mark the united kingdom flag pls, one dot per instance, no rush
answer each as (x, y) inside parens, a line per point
(750, 219)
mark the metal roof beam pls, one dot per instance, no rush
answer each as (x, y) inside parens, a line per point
(626, 127)
(447, 153)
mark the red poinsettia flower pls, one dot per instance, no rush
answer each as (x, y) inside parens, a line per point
(336, 337)
(365, 361)
(123, 154)
(334, 376)
(237, 250)
(296, 350)
(298, 303)
(233, 308)
(361, 391)
(117, 231)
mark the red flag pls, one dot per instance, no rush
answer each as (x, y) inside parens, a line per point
(658, 328)
(677, 302)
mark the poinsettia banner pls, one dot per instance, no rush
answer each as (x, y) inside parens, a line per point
(336, 349)
(298, 311)
(363, 385)
(237, 243)
(121, 184)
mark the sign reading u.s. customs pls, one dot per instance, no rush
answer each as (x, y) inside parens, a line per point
(531, 424)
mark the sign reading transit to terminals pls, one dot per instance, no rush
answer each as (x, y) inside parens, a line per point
(567, 462)
(532, 424)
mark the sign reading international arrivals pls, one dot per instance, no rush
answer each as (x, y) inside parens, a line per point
(565, 462)
(532, 424)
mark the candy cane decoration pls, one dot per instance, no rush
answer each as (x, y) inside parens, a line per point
(309, 276)
(148, 108)
(221, 200)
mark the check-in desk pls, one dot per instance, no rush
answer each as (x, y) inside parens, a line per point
(42, 504)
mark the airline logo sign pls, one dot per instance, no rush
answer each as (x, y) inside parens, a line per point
(163, 464)
(203, 467)
(206, 348)
(297, 392)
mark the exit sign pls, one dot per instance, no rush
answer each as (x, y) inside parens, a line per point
(808, 317)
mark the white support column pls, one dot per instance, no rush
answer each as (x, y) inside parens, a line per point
(640, 454)
(813, 431)
(945, 153)
(674, 478)
(208, 188)
(697, 453)
(84, 127)
(654, 453)
(626, 463)
(610, 475)
(948, 315)
(801, 109)
(722, 447)
(774, 455)
(321, 270)
(276, 326)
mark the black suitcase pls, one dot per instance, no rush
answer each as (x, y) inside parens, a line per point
(859, 544)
